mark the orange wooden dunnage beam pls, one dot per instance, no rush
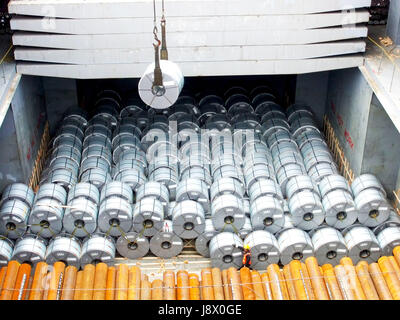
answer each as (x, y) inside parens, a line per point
(9, 281)
(21, 284)
(56, 281)
(134, 283)
(78, 285)
(69, 283)
(317, 279)
(379, 282)
(277, 282)
(390, 277)
(100, 281)
(226, 285)
(111, 283)
(307, 281)
(396, 254)
(207, 291)
(157, 290)
(182, 285)
(247, 286)
(257, 284)
(346, 261)
(266, 286)
(145, 286)
(344, 282)
(234, 281)
(217, 283)
(37, 288)
(194, 290)
(395, 266)
(331, 282)
(298, 280)
(289, 282)
(169, 285)
(122, 282)
(3, 272)
(366, 281)
(88, 282)
(355, 283)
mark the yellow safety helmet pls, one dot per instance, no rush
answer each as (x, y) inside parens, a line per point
(247, 247)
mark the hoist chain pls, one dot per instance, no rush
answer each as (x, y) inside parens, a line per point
(158, 88)
(164, 51)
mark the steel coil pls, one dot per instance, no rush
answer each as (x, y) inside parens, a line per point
(62, 163)
(133, 245)
(134, 154)
(30, 249)
(98, 152)
(372, 207)
(285, 173)
(132, 177)
(299, 184)
(18, 191)
(229, 172)
(148, 215)
(96, 176)
(96, 248)
(80, 217)
(84, 190)
(266, 213)
(265, 188)
(94, 163)
(71, 131)
(203, 240)
(155, 190)
(52, 191)
(68, 141)
(329, 245)
(66, 152)
(46, 218)
(340, 210)
(14, 216)
(115, 216)
(227, 213)
(322, 170)
(264, 249)
(225, 251)
(388, 239)
(294, 244)
(196, 190)
(63, 177)
(226, 186)
(65, 248)
(362, 244)
(116, 189)
(166, 244)
(257, 173)
(98, 129)
(6, 251)
(308, 136)
(366, 181)
(332, 183)
(287, 157)
(188, 219)
(100, 141)
(306, 210)
(168, 177)
(197, 173)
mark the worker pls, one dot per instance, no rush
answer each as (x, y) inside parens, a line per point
(246, 260)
